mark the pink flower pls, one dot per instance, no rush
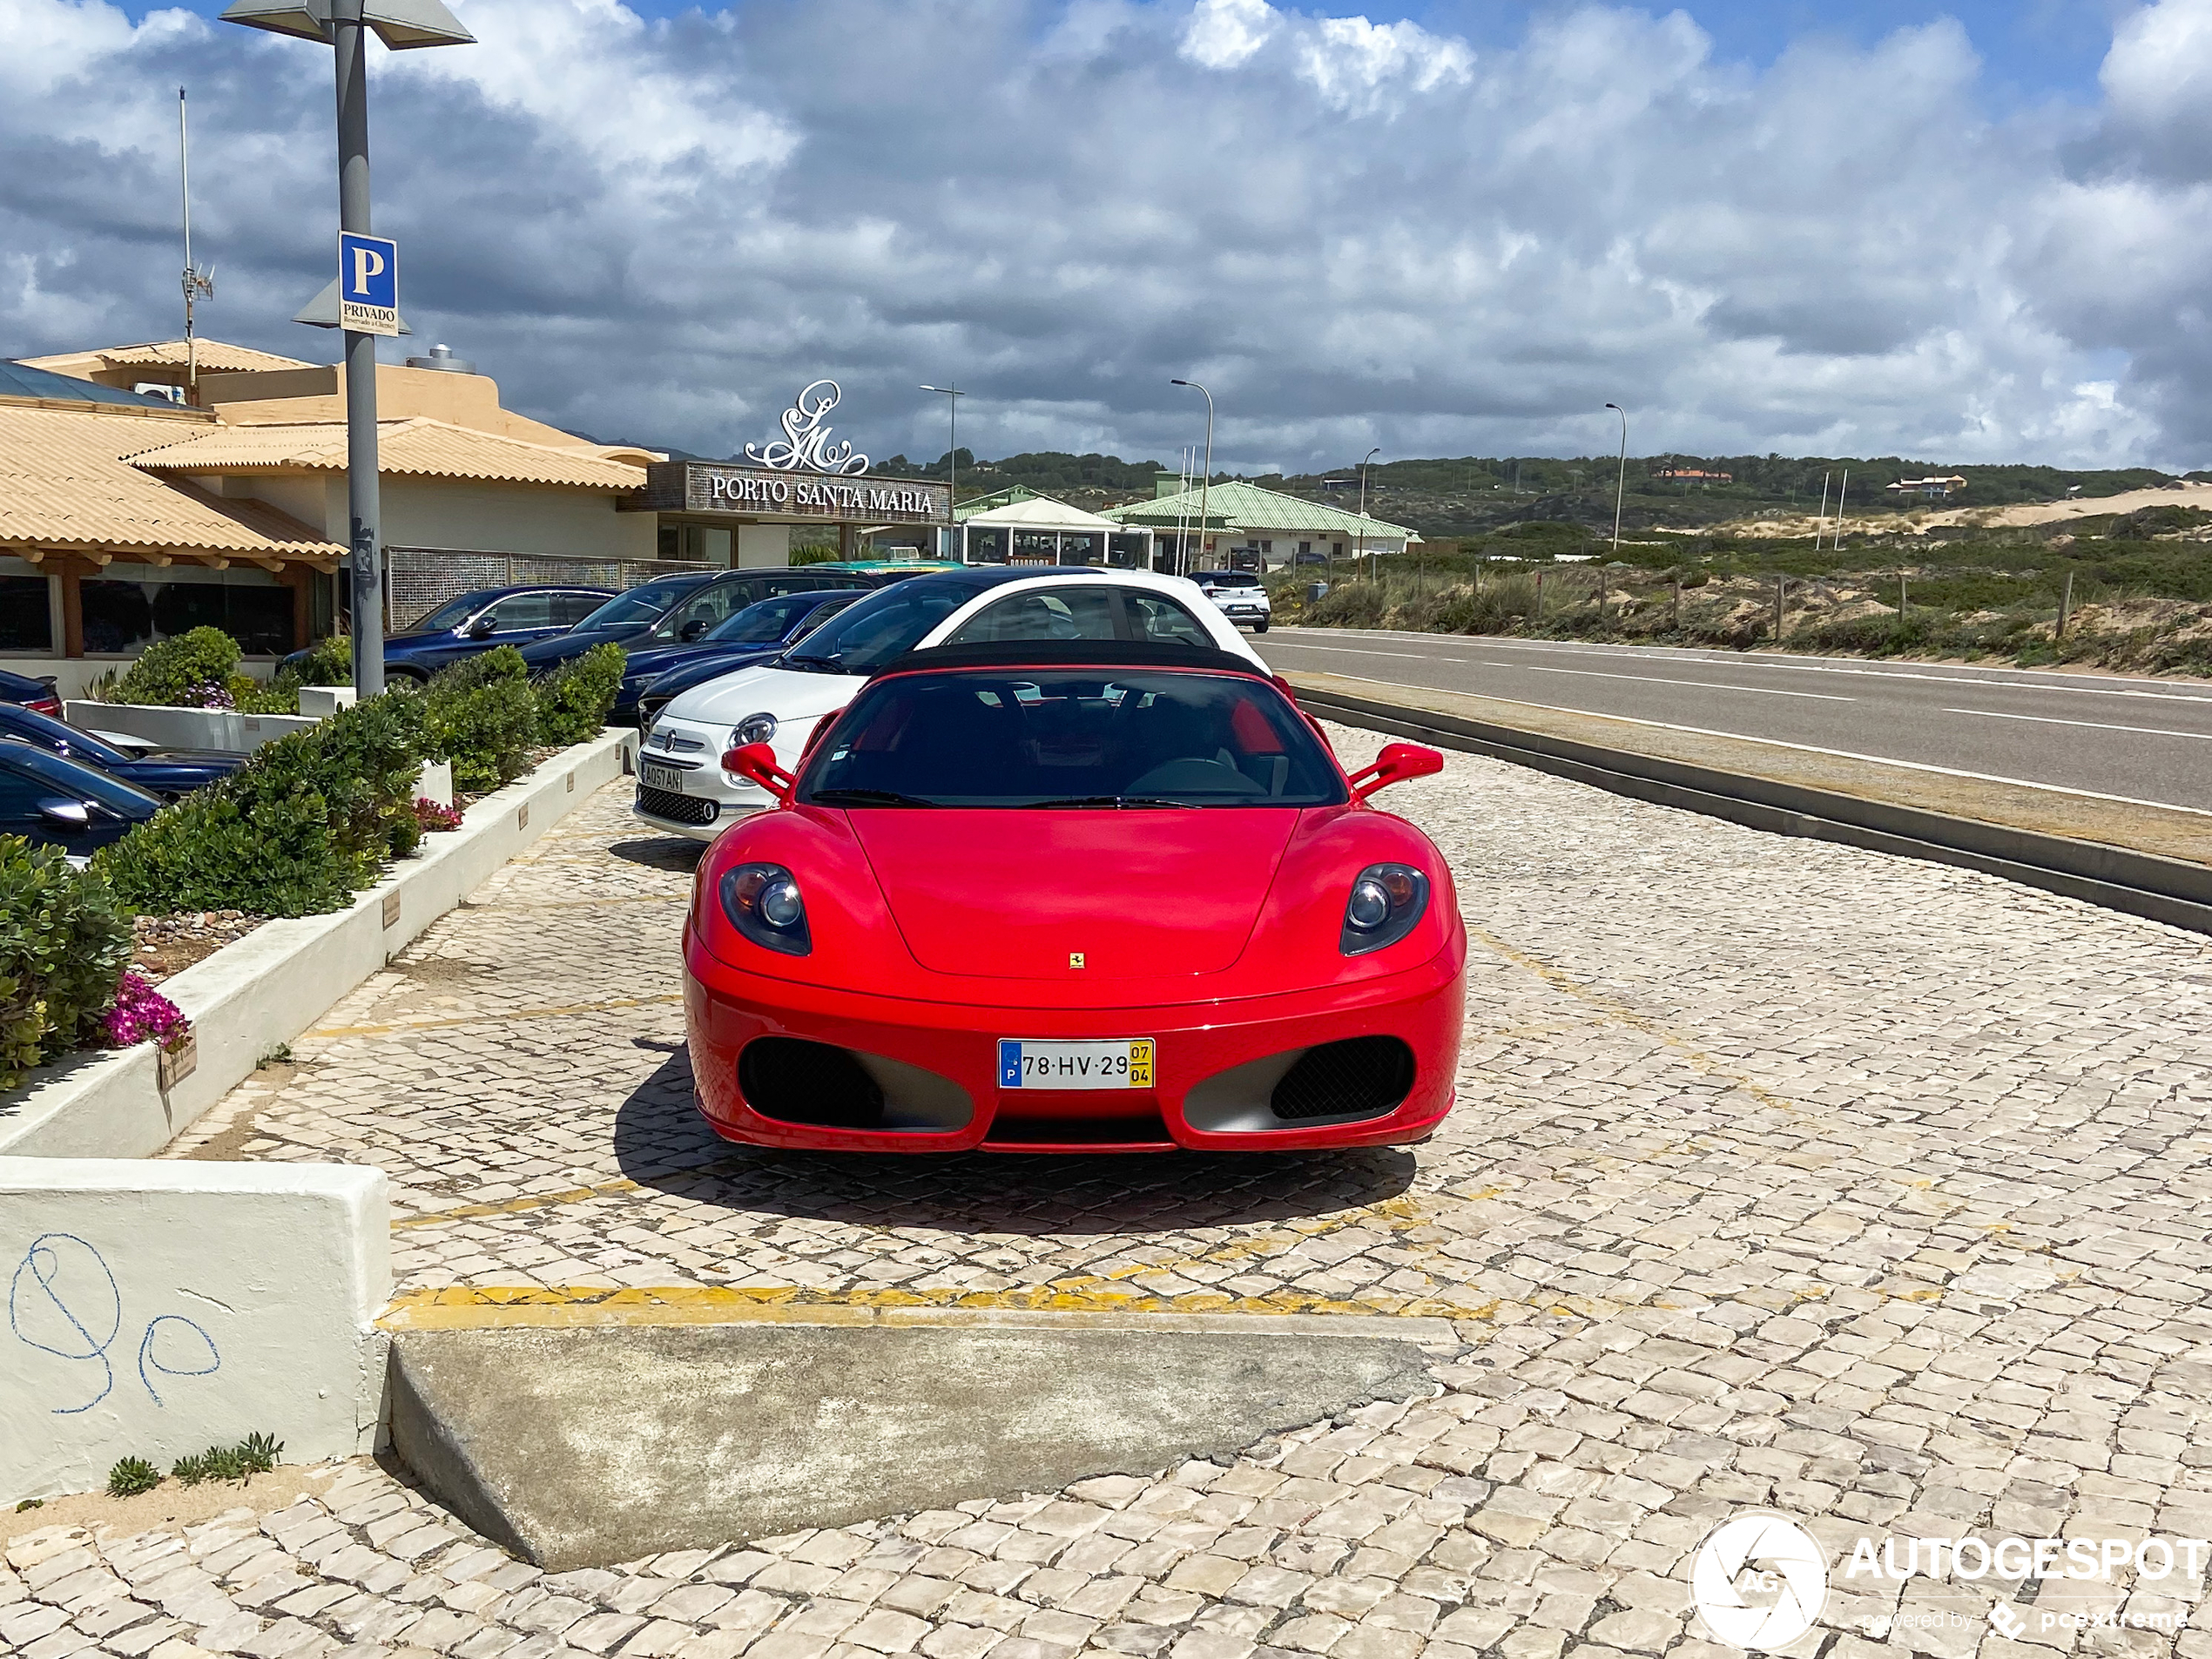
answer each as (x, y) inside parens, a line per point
(432, 815)
(142, 1014)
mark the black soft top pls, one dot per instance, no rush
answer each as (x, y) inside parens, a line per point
(1073, 653)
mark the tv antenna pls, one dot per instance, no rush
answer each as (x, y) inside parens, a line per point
(199, 284)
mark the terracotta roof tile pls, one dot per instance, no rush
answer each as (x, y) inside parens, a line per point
(66, 482)
(418, 447)
(215, 355)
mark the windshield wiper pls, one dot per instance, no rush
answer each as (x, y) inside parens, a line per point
(865, 798)
(1111, 800)
(812, 664)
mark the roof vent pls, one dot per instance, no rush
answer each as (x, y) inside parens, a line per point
(442, 357)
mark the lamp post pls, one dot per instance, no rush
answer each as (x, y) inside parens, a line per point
(1205, 481)
(952, 396)
(1364, 460)
(1621, 483)
(401, 25)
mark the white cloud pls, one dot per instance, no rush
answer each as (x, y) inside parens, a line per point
(1353, 232)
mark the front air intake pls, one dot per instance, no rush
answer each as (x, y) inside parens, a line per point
(808, 1082)
(1356, 1078)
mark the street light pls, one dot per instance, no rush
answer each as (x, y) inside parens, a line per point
(1206, 482)
(953, 396)
(1621, 483)
(401, 25)
(1364, 460)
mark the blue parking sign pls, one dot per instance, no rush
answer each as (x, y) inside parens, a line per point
(368, 284)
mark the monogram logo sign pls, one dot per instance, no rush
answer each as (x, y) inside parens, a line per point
(805, 446)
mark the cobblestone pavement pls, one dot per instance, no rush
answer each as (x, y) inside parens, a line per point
(1783, 1174)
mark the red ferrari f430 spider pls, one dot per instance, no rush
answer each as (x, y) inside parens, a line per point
(1074, 897)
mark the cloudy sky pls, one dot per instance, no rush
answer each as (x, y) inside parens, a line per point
(1977, 232)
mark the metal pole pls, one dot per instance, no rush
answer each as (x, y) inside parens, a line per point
(1820, 524)
(1780, 582)
(184, 184)
(1674, 617)
(1369, 456)
(1841, 490)
(1205, 483)
(1620, 487)
(2066, 604)
(363, 507)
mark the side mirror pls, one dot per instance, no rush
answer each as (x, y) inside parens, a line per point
(1397, 762)
(480, 629)
(70, 815)
(756, 762)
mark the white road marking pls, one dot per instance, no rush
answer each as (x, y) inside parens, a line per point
(2096, 725)
(1960, 674)
(1654, 680)
(1355, 651)
(1808, 748)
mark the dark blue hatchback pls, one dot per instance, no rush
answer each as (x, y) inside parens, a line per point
(628, 614)
(167, 772)
(754, 635)
(52, 801)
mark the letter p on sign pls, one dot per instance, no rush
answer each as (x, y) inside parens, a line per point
(368, 284)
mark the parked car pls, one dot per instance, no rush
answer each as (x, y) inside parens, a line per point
(1047, 896)
(628, 614)
(166, 773)
(26, 692)
(682, 786)
(754, 634)
(470, 623)
(717, 600)
(52, 800)
(1240, 595)
(671, 683)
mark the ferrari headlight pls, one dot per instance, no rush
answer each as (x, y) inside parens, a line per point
(754, 728)
(1386, 901)
(763, 902)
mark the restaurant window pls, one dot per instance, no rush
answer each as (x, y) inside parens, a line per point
(128, 607)
(26, 616)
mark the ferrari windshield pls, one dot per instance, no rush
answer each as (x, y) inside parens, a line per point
(1060, 737)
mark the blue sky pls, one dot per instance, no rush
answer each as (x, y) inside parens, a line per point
(1964, 233)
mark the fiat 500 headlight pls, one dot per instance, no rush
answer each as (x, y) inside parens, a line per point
(754, 728)
(763, 902)
(1385, 903)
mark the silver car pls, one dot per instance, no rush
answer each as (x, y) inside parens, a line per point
(1239, 594)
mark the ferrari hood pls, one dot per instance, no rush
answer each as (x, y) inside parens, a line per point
(1089, 893)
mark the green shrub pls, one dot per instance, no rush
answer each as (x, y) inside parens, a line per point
(256, 1454)
(482, 716)
(131, 1476)
(176, 671)
(329, 662)
(296, 831)
(573, 700)
(64, 945)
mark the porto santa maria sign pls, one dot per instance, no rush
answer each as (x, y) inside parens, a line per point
(800, 475)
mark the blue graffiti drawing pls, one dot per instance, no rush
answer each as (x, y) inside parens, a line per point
(147, 1357)
(63, 1300)
(55, 1272)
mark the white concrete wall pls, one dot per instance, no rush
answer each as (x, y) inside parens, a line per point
(763, 546)
(225, 730)
(513, 518)
(158, 1309)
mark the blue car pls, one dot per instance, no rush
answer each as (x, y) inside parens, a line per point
(754, 634)
(23, 691)
(167, 772)
(628, 614)
(484, 619)
(52, 801)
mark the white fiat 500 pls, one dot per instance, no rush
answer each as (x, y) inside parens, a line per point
(681, 785)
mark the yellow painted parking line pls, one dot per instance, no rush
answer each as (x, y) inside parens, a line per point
(493, 1017)
(516, 1206)
(462, 1308)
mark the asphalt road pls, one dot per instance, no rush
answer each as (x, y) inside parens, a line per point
(2137, 739)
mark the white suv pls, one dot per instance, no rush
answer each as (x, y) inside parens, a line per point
(681, 785)
(1240, 595)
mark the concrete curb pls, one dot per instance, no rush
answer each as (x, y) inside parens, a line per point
(160, 1308)
(2139, 884)
(277, 982)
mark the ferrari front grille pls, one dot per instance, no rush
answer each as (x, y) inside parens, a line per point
(1355, 1077)
(808, 1082)
(677, 809)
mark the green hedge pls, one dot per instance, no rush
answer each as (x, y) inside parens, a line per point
(482, 716)
(296, 832)
(64, 944)
(573, 700)
(199, 669)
